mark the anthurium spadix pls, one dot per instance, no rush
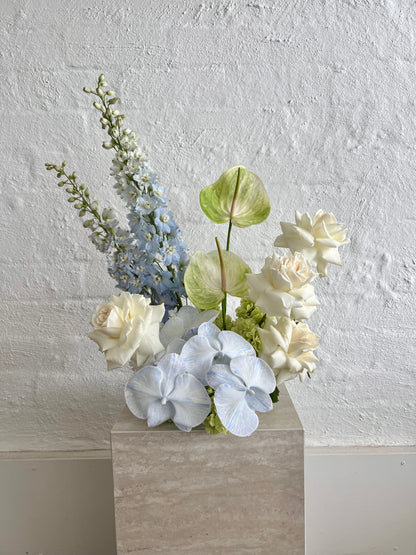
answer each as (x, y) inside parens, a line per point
(238, 196)
(206, 285)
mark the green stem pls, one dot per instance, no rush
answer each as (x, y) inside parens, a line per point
(88, 205)
(223, 284)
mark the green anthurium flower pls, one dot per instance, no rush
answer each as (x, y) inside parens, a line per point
(238, 195)
(206, 285)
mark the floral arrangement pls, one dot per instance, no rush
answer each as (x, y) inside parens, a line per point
(193, 363)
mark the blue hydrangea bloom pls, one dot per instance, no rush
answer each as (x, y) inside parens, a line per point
(242, 387)
(158, 393)
(212, 346)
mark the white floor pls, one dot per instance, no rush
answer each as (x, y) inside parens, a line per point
(358, 501)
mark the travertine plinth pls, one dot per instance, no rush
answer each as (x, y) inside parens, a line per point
(178, 492)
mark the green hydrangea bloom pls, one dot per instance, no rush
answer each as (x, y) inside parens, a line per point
(248, 322)
(213, 424)
(249, 330)
(248, 309)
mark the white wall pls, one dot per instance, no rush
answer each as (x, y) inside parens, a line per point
(318, 98)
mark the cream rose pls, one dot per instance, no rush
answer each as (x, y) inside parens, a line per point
(126, 327)
(287, 348)
(318, 238)
(282, 288)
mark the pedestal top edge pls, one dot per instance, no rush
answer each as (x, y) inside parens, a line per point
(282, 417)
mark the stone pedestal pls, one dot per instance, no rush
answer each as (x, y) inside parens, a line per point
(178, 492)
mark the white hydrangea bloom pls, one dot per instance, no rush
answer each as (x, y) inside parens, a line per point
(283, 287)
(184, 323)
(287, 348)
(317, 238)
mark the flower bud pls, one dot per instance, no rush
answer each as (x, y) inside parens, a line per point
(98, 106)
(108, 145)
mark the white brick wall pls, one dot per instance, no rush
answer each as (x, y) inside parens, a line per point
(317, 98)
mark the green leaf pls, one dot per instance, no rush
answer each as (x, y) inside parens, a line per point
(275, 395)
(203, 278)
(238, 195)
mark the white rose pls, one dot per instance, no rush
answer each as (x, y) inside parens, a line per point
(127, 326)
(282, 288)
(318, 238)
(287, 348)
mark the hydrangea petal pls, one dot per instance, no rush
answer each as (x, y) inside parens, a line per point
(233, 345)
(254, 372)
(211, 332)
(259, 400)
(184, 323)
(175, 346)
(190, 401)
(197, 355)
(234, 412)
(158, 413)
(220, 374)
(173, 329)
(143, 388)
(171, 366)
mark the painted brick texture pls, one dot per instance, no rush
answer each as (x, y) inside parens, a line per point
(316, 98)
